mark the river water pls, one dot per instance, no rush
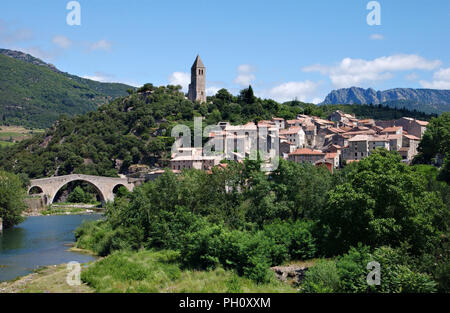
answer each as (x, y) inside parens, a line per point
(40, 241)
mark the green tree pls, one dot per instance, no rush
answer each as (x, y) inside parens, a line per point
(383, 202)
(12, 197)
(78, 195)
(435, 145)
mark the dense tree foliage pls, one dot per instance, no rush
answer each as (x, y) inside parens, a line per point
(242, 219)
(348, 273)
(435, 145)
(385, 202)
(12, 195)
(78, 195)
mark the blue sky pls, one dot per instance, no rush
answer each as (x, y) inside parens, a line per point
(285, 49)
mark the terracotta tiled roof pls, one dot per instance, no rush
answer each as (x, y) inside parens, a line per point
(290, 131)
(336, 130)
(391, 129)
(422, 123)
(306, 151)
(412, 137)
(396, 136)
(360, 132)
(366, 121)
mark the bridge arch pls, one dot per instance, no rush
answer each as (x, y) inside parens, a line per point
(35, 190)
(96, 188)
(103, 185)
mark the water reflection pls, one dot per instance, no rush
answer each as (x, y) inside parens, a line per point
(12, 239)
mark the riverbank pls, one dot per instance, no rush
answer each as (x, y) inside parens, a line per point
(71, 209)
(48, 279)
(142, 272)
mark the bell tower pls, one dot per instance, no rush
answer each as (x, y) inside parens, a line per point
(197, 87)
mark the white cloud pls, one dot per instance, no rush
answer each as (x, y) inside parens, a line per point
(62, 41)
(12, 35)
(211, 91)
(110, 78)
(245, 75)
(101, 77)
(376, 37)
(180, 78)
(103, 44)
(302, 91)
(441, 80)
(412, 76)
(351, 72)
(39, 53)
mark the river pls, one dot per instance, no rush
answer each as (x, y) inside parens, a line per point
(40, 241)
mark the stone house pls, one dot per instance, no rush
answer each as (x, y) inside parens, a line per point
(306, 155)
(295, 135)
(286, 147)
(409, 147)
(279, 122)
(360, 146)
(412, 126)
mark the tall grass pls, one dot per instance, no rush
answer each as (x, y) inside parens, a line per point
(159, 271)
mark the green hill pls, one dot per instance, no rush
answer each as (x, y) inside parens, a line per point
(136, 130)
(34, 94)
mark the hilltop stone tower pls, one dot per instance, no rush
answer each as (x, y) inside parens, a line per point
(197, 87)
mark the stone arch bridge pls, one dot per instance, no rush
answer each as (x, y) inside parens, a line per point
(103, 185)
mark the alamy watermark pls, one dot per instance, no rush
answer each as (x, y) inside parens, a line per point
(231, 143)
(374, 16)
(74, 16)
(73, 278)
(374, 276)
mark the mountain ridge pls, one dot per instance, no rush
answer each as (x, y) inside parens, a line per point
(425, 100)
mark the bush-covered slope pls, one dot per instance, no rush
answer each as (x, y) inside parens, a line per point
(136, 129)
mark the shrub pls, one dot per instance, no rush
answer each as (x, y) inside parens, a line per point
(398, 273)
(349, 273)
(293, 240)
(321, 278)
(247, 253)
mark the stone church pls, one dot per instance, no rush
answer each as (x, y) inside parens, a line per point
(197, 87)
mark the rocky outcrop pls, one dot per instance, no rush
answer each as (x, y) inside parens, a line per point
(292, 274)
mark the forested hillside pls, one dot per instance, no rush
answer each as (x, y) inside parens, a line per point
(136, 129)
(34, 94)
